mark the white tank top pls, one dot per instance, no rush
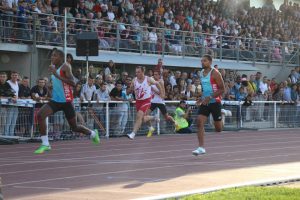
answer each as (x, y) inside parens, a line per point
(156, 97)
(142, 90)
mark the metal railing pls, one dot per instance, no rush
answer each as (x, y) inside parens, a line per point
(117, 118)
(43, 29)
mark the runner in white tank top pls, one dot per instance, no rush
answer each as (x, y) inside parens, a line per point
(158, 102)
(142, 89)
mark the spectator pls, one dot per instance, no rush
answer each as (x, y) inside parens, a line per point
(5, 92)
(78, 75)
(117, 110)
(273, 84)
(8, 8)
(238, 84)
(257, 80)
(24, 89)
(39, 92)
(287, 92)
(230, 92)
(159, 67)
(182, 118)
(189, 94)
(294, 76)
(127, 96)
(252, 86)
(196, 88)
(88, 90)
(12, 111)
(110, 83)
(24, 119)
(260, 107)
(110, 68)
(241, 95)
(153, 40)
(124, 76)
(263, 86)
(101, 95)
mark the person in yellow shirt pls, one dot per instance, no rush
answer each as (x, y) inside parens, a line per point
(182, 118)
(252, 88)
(161, 9)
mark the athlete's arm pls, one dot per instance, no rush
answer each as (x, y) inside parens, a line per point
(69, 78)
(158, 85)
(221, 86)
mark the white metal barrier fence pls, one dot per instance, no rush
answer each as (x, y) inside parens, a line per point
(117, 118)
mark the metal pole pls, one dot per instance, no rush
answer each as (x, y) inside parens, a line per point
(158, 124)
(163, 43)
(32, 121)
(47, 126)
(275, 115)
(118, 38)
(107, 120)
(87, 68)
(221, 50)
(65, 36)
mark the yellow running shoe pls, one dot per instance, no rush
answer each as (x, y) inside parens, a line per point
(150, 132)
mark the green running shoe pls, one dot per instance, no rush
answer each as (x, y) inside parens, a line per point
(96, 139)
(42, 149)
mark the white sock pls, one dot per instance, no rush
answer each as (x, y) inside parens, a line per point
(93, 134)
(45, 140)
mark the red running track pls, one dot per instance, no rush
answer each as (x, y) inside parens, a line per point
(73, 165)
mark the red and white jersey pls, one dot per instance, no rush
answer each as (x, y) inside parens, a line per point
(142, 90)
(156, 98)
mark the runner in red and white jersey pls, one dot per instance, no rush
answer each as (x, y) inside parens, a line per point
(142, 89)
(158, 101)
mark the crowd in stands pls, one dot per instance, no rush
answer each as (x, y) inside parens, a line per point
(111, 84)
(277, 32)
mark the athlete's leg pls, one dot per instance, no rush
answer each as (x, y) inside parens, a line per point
(148, 112)
(201, 121)
(218, 126)
(138, 121)
(216, 112)
(43, 113)
(169, 118)
(78, 128)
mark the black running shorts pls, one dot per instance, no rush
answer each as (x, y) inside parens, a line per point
(212, 108)
(160, 106)
(67, 108)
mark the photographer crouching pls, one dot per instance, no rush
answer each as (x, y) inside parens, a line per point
(182, 118)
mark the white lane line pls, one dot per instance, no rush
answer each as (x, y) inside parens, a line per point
(138, 170)
(177, 195)
(46, 188)
(145, 180)
(153, 147)
(142, 153)
(150, 160)
(229, 136)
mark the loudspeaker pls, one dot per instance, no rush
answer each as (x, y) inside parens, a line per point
(87, 44)
(67, 3)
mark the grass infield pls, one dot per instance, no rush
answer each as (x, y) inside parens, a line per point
(249, 193)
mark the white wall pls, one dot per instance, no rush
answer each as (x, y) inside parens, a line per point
(15, 61)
